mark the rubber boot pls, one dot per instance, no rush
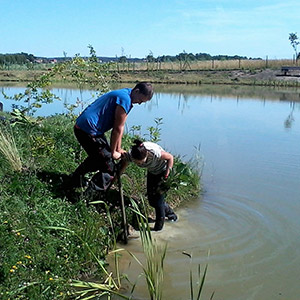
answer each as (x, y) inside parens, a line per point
(159, 224)
(77, 180)
(170, 213)
(172, 217)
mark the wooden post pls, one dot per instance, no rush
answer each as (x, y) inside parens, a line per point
(267, 62)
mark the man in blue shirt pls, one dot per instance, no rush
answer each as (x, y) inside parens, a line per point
(107, 112)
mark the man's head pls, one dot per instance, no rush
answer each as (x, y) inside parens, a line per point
(141, 93)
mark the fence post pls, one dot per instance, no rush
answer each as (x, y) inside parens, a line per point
(267, 62)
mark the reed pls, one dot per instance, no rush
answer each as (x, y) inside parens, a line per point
(154, 267)
(155, 255)
(196, 288)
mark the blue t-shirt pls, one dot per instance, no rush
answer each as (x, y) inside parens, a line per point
(99, 116)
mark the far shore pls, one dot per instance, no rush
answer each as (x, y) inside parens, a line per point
(256, 77)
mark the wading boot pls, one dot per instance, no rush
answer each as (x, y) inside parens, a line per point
(172, 217)
(159, 224)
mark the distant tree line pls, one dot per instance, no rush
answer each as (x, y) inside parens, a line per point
(184, 56)
(23, 58)
(16, 58)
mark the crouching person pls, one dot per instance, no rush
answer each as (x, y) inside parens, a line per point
(158, 164)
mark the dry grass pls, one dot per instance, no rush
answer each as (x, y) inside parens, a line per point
(203, 65)
(9, 150)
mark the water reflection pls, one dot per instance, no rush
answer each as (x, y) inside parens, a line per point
(290, 119)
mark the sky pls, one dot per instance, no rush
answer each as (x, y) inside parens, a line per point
(136, 28)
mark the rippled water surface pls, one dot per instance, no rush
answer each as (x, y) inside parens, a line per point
(247, 218)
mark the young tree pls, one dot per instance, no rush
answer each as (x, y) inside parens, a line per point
(150, 57)
(294, 42)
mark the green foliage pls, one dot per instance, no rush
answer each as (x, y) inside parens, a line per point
(122, 59)
(16, 58)
(154, 132)
(19, 117)
(150, 57)
(179, 175)
(183, 56)
(42, 146)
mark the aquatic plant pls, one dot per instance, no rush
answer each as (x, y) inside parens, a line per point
(155, 255)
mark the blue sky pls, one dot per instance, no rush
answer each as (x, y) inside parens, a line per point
(134, 28)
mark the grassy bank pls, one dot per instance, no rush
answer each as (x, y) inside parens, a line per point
(46, 240)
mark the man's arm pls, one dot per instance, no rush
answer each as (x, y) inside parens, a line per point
(117, 132)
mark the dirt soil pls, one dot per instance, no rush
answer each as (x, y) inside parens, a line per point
(266, 75)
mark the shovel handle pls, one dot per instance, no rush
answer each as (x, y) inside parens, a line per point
(124, 220)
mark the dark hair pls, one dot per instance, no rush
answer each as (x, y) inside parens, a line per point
(138, 150)
(145, 88)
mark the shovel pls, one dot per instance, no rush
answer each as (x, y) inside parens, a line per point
(124, 220)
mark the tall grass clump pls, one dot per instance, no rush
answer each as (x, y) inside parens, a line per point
(153, 268)
(197, 284)
(9, 150)
(155, 255)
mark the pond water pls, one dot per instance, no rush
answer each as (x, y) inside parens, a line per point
(247, 217)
